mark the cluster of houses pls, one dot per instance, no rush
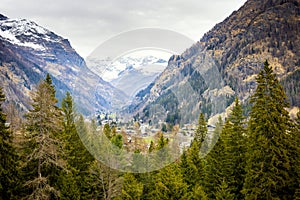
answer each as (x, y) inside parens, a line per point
(144, 130)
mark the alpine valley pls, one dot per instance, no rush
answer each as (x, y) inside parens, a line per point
(28, 52)
(130, 73)
(226, 61)
(205, 78)
(219, 121)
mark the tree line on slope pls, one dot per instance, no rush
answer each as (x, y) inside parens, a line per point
(254, 157)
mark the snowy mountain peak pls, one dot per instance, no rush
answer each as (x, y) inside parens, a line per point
(29, 51)
(26, 33)
(111, 70)
(22, 27)
(129, 73)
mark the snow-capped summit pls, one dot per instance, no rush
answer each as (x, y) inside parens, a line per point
(129, 73)
(29, 51)
(23, 32)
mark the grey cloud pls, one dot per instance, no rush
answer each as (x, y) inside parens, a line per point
(90, 22)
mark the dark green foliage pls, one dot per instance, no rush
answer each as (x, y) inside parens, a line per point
(225, 163)
(217, 132)
(214, 168)
(77, 156)
(224, 192)
(192, 163)
(8, 158)
(269, 158)
(43, 145)
(192, 167)
(69, 187)
(169, 184)
(260, 161)
(166, 102)
(162, 155)
(198, 193)
(200, 134)
(187, 169)
(233, 134)
(117, 140)
(131, 189)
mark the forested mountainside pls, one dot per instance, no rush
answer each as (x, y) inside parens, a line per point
(28, 52)
(226, 60)
(55, 153)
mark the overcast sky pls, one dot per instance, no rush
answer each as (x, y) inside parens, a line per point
(88, 23)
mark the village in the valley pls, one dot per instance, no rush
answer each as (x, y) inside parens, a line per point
(139, 133)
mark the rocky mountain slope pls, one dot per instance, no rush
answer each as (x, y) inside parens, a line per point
(29, 51)
(225, 62)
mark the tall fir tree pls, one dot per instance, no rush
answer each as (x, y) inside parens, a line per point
(233, 135)
(168, 183)
(201, 133)
(192, 162)
(78, 158)
(214, 168)
(188, 170)
(8, 158)
(43, 147)
(131, 188)
(268, 166)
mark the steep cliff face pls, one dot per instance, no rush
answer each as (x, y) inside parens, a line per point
(225, 62)
(29, 51)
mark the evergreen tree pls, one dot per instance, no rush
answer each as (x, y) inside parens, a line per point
(188, 170)
(214, 168)
(131, 189)
(78, 158)
(169, 184)
(233, 135)
(226, 161)
(43, 148)
(200, 134)
(268, 167)
(8, 158)
(195, 165)
(117, 140)
(192, 163)
(224, 192)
